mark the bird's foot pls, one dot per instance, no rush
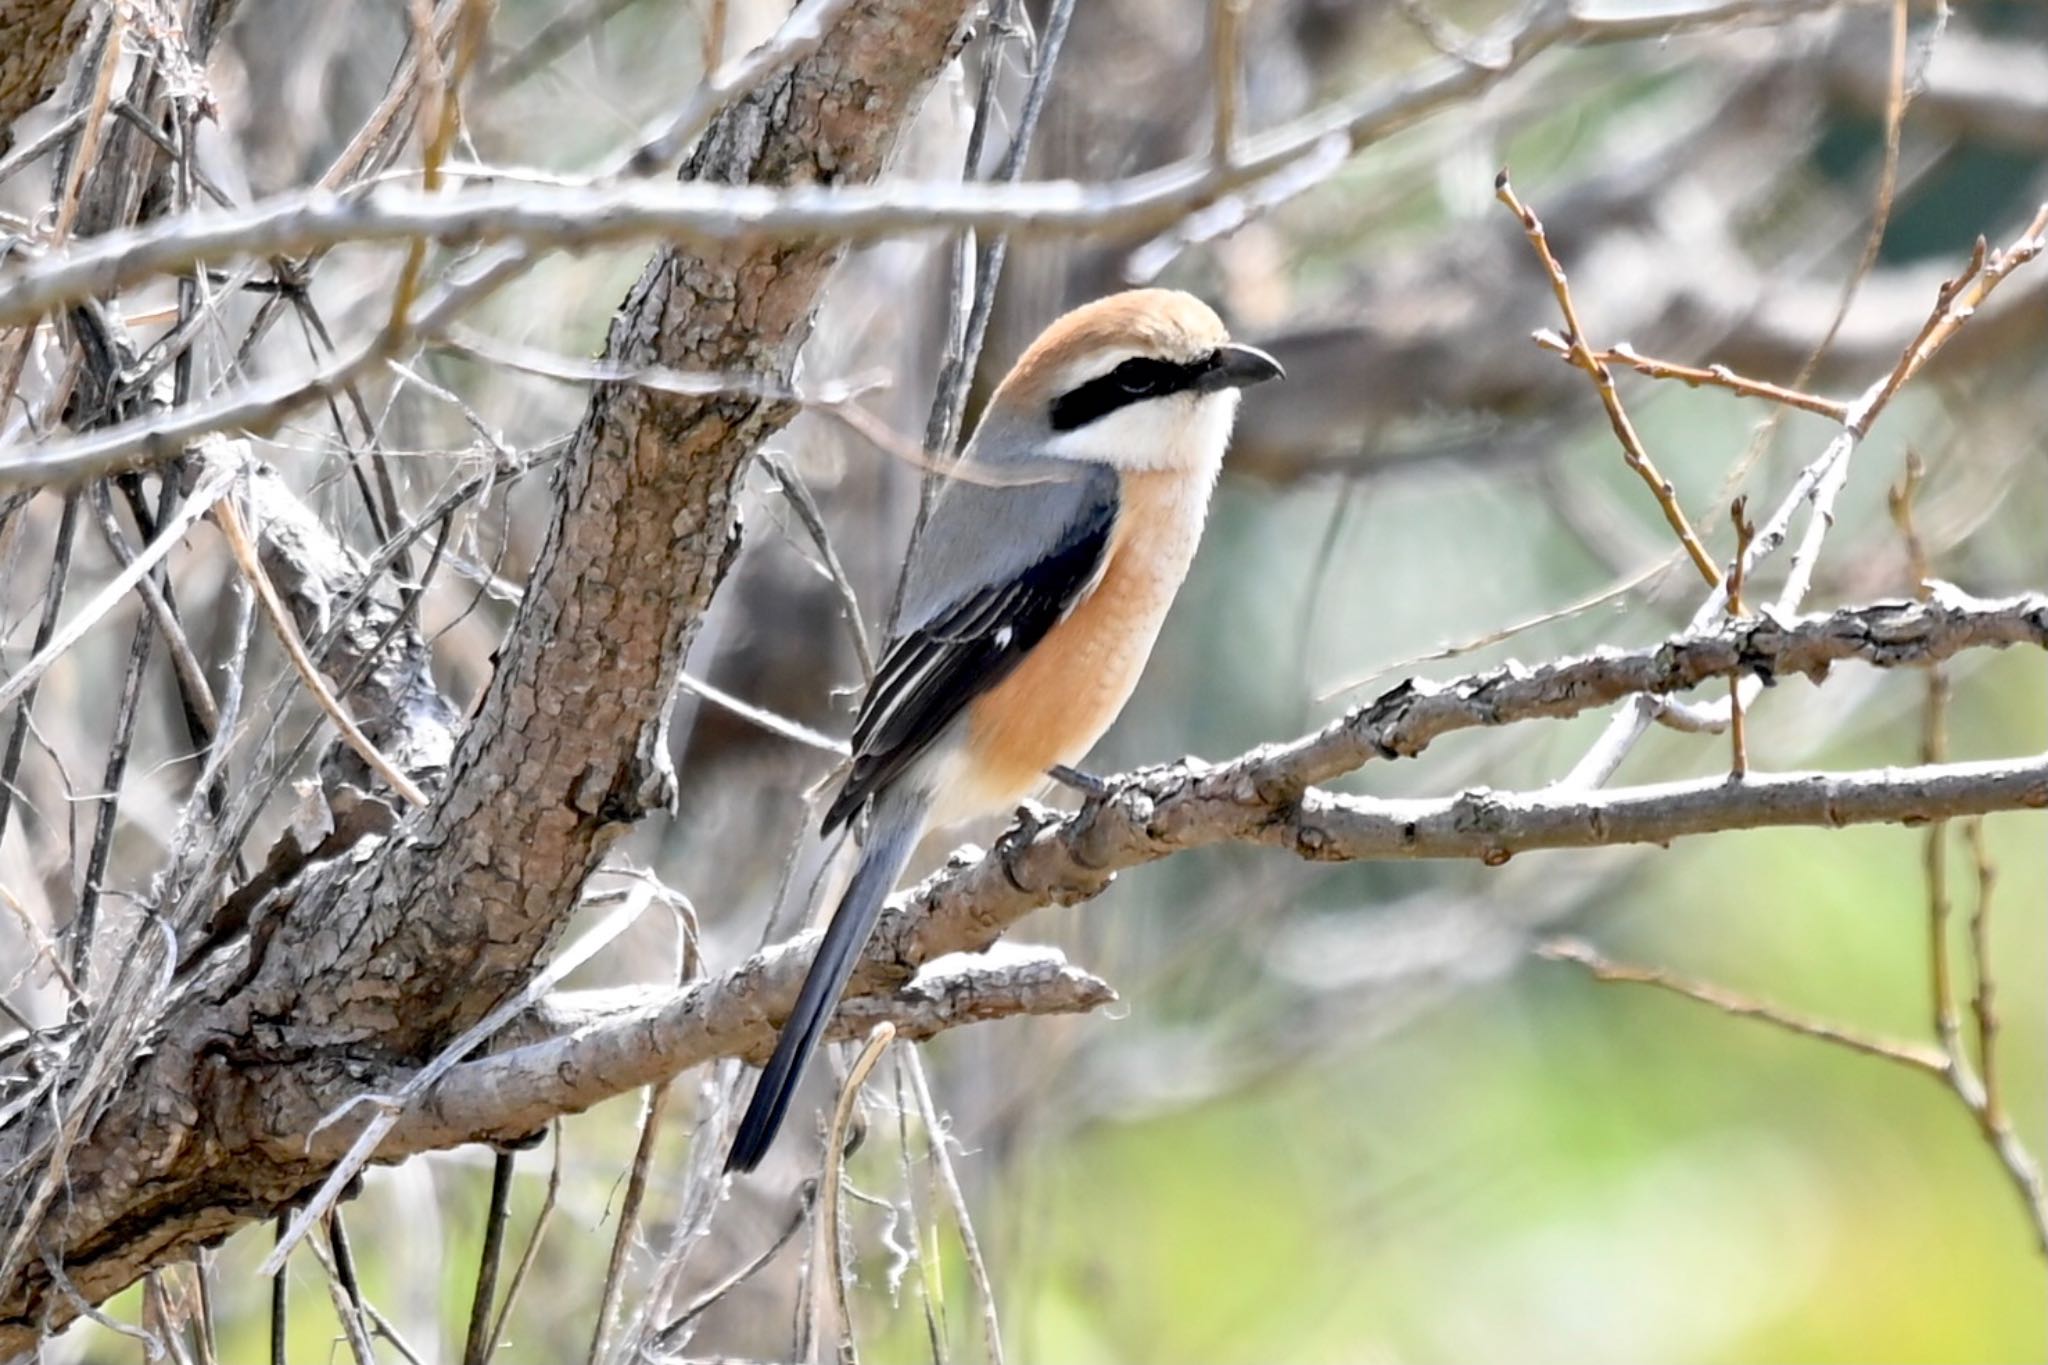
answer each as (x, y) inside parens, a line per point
(1088, 784)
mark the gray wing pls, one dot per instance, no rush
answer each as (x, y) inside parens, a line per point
(998, 565)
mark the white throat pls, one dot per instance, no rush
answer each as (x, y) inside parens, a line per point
(1185, 431)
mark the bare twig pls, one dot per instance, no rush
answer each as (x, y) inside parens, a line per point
(798, 495)
(779, 725)
(476, 1342)
(1933, 749)
(671, 1334)
(921, 1244)
(61, 639)
(44, 647)
(629, 1221)
(829, 1182)
(152, 1347)
(1960, 300)
(290, 224)
(968, 315)
(937, 1138)
(798, 37)
(1821, 481)
(1582, 355)
(346, 1293)
(538, 215)
(280, 1304)
(1984, 1004)
(1915, 1055)
(1745, 531)
(1226, 77)
(1710, 376)
(527, 1257)
(439, 115)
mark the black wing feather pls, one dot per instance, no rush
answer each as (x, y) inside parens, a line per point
(928, 677)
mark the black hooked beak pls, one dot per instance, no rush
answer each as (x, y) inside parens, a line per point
(1239, 367)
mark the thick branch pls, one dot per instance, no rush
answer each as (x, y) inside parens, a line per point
(507, 1096)
(607, 1045)
(1265, 797)
(1048, 858)
(1491, 826)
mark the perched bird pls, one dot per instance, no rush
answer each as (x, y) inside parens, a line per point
(1030, 604)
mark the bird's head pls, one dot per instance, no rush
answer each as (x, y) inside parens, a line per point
(1146, 379)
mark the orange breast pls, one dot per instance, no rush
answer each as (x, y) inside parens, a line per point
(1069, 689)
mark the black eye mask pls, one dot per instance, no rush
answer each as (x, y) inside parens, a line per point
(1229, 366)
(1134, 381)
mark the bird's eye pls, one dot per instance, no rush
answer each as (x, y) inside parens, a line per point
(1135, 377)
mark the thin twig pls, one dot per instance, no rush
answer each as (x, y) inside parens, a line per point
(798, 37)
(280, 1304)
(1710, 376)
(120, 744)
(46, 633)
(937, 1138)
(1226, 77)
(968, 329)
(762, 718)
(1822, 481)
(1583, 356)
(152, 1348)
(206, 1338)
(346, 1293)
(60, 639)
(503, 1164)
(440, 115)
(1933, 749)
(528, 1256)
(291, 223)
(1745, 531)
(1984, 1004)
(798, 495)
(923, 1249)
(829, 1182)
(82, 157)
(1960, 300)
(629, 1220)
(1915, 1055)
(575, 216)
(670, 1336)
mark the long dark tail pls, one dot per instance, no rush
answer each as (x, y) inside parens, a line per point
(892, 833)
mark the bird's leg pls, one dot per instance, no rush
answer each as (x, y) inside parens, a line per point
(1088, 784)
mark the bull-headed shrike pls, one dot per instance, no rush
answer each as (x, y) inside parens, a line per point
(1029, 606)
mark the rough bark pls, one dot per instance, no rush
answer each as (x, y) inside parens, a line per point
(36, 38)
(371, 958)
